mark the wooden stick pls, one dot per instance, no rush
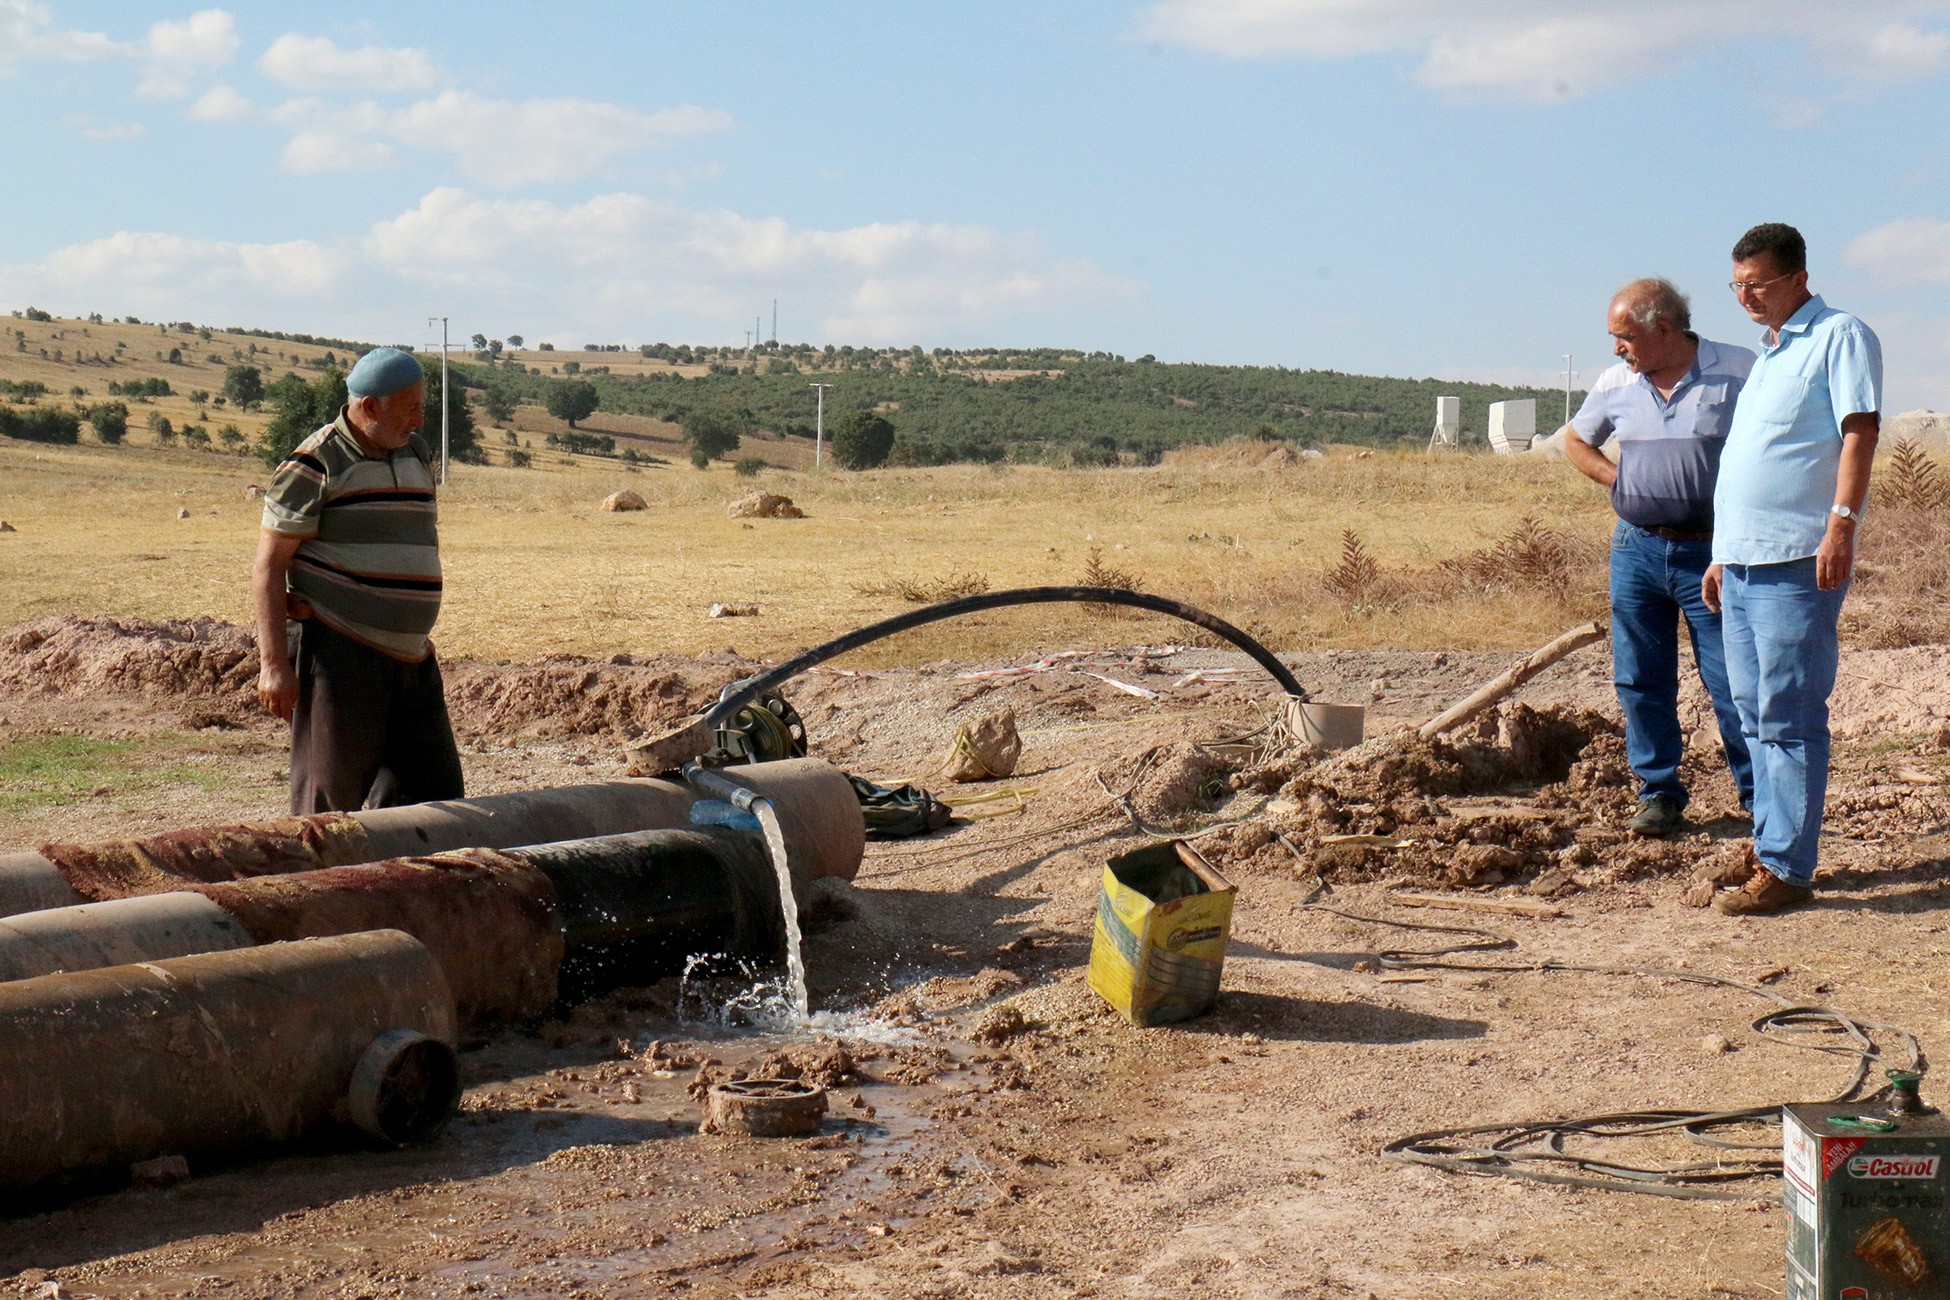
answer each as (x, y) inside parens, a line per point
(1469, 903)
(1510, 678)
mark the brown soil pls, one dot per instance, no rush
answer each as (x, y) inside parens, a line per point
(994, 1129)
(195, 661)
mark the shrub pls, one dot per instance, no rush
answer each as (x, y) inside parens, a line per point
(711, 434)
(748, 466)
(862, 440)
(519, 459)
(699, 459)
(195, 435)
(35, 313)
(160, 426)
(111, 421)
(231, 437)
(40, 424)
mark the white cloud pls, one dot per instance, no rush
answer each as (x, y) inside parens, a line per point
(514, 142)
(501, 142)
(176, 55)
(311, 152)
(615, 266)
(167, 275)
(1898, 51)
(1904, 251)
(28, 33)
(222, 104)
(1541, 49)
(317, 63)
(625, 262)
(89, 128)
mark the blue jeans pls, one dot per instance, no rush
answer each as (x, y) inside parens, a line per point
(1655, 582)
(1781, 658)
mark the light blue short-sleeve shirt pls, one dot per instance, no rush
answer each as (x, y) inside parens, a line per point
(1784, 451)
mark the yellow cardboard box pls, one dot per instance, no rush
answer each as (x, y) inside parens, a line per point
(1159, 943)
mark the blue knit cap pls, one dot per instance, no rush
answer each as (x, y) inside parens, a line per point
(383, 372)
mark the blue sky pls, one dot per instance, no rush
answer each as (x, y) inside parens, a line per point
(1408, 187)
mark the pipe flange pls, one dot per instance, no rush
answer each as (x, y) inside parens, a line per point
(764, 1108)
(405, 1087)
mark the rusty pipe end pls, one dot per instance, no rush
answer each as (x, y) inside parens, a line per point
(404, 1089)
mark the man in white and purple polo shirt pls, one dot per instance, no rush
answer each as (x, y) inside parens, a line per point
(1667, 405)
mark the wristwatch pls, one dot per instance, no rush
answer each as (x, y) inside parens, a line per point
(1849, 513)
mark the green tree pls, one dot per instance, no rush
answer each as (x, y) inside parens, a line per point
(463, 444)
(572, 400)
(862, 440)
(499, 403)
(111, 421)
(301, 409)
(244, 386)
(711, 434)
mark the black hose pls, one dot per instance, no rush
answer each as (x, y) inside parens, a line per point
(743, 693)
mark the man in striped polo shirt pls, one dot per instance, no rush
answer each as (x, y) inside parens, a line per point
(350, 552)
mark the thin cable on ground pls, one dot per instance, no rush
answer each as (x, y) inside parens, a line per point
(1536, 1151)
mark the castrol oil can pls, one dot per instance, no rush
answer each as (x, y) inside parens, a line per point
(1867, 1192)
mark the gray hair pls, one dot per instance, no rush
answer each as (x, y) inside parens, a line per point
(1651, 300)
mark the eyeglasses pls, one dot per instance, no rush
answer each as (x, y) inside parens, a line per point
(1754, 286)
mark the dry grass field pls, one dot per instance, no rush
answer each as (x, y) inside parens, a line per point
(534, 567)
(1458, 552)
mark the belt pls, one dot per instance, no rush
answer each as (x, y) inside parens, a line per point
(1679, 534)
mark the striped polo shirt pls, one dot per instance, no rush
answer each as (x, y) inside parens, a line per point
(369, 566)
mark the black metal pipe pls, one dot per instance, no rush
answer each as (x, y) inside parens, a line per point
(742, 693)
(634, 907)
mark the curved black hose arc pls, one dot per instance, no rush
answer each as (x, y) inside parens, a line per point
(742, 693)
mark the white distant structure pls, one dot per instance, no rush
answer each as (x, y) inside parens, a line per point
(1448, 423)
(1512, 425)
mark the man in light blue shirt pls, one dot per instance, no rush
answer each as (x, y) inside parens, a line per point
(1667, 405)
(1793, 483)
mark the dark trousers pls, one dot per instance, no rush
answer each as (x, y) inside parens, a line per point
(369, 731)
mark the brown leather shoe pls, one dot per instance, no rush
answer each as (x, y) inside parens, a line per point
(1763, 895)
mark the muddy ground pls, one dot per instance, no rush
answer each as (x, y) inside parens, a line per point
(996, 1131)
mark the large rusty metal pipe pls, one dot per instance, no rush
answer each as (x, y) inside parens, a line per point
(515, 930)
(222, 1052)
(808, 793)
(94, 935)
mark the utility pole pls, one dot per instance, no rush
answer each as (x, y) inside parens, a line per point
(758, 337)
(775, 320)
(819, 422)
(1569, 375)
(443, 395)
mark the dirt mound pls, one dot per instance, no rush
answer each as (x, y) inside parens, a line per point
(1446, 812)
(207, 660)
(170, 659)
(1171, 784)
(566, 695)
